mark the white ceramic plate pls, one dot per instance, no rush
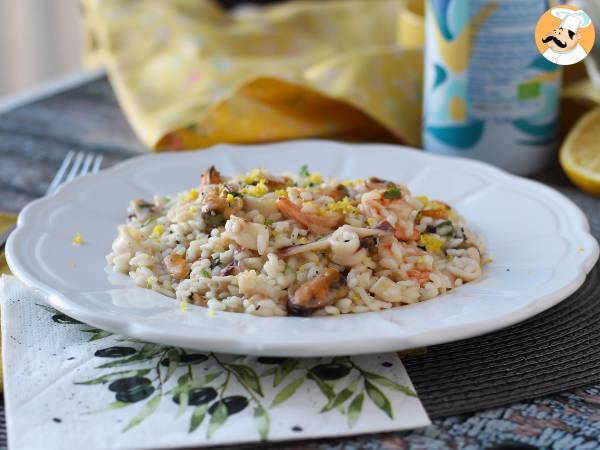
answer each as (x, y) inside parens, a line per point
(538, 239)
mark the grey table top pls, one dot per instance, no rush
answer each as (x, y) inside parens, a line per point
(34, 139)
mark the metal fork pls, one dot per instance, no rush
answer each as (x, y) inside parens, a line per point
(75, 164)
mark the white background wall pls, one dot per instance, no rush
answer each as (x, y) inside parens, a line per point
(40, 40)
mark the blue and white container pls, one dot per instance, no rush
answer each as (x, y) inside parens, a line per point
(489, 93)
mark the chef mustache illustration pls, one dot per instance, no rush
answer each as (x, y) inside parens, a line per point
(557, 41)
(554, 39)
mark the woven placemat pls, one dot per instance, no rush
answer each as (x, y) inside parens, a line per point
(554, 351)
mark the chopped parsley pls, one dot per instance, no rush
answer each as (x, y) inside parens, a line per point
(269, 222)
(147, 222)
(236, 194)
(206, 273)
(304, 171)
(215, 262)
(392, 193)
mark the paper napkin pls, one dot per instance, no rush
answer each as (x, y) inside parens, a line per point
(71, 386)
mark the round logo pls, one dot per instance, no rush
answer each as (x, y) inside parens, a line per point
(564, 35)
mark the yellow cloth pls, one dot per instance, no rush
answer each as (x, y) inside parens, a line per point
(6, 220)
(190, 75)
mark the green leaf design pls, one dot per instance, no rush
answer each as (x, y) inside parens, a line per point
(246, 376)
(217, 419)
(287, 392)
(283, 370)
(50, 309)
(97, 334)
(146, 411)
(185, 383)
(198, 416)
(340, 360)
(263, 421)
(184, 399)
(110, 407)
(148, 352)
(355, 409)
(173, 355)
(324, 387)
(379, 398)
(341, 397)
(269, 371)
(386, 382)
(115, 376)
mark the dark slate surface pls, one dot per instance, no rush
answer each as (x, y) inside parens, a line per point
(553, 352)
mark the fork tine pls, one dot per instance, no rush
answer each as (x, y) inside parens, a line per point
(75, 167)
(56, 181)
(87, 163)
(97, 163)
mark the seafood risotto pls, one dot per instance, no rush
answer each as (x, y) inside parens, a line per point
(296, 245)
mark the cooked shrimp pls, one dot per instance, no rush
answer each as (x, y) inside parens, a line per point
(210, 176)
(177, 266)
(436, 210)
(400, 233)
(420, 275)
(395, 211)
(316, 223)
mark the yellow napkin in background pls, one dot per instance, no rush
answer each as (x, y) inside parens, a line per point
(6, 220)
(189, 75)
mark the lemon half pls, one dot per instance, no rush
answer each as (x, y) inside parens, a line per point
(580, 153)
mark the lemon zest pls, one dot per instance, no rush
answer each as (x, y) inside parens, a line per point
(192, 194)
(158, 230)
(184, 306)
(77, 240)
(431, 243)
(343, 206)
(211, 313)
(252, 177)
(316, 178)
(423, 199)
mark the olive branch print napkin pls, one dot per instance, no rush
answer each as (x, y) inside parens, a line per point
(72, 386)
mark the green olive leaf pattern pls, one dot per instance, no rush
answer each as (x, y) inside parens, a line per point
(246, 376)
(263, 422)
(183, 400)
(283, 370)
(97, 334)
(324, 387)
(386, 382)
(198, 416)
(221, 386)
(341, 397)
(355, 409)
(115, 376)
(173, 358)
(110, 407)
(379, 398)
(270, 371)
(287, 392)
(146, 411)
(217, 419)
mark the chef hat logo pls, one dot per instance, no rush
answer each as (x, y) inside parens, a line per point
(570, 19)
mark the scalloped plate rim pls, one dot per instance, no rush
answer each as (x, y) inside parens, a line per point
(577, 221)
